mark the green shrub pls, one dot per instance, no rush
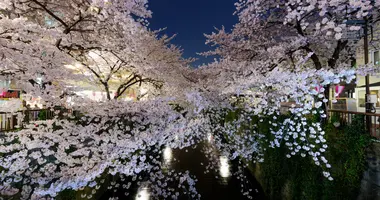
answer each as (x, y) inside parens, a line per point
(300, 178)
(42, 115)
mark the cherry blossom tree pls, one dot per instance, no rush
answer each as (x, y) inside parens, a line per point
(282, 32)
(70, 41)
(108, 43)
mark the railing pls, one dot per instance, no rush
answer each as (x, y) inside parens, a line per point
(38, 115)
(12, 121)
(345, 118)
(9, 121)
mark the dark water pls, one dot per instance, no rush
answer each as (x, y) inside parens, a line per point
(219, 183)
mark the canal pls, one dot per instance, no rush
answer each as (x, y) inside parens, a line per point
(216, 177)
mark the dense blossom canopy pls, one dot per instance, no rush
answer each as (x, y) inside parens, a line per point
(107, 43)
(277, 33)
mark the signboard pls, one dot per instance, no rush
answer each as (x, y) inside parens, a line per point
(10, 94)
(353, 35)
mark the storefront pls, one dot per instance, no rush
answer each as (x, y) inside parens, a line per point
(10, 98)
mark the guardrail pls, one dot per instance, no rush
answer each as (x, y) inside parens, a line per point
(345, 118)
(9, 121)
(12, 121)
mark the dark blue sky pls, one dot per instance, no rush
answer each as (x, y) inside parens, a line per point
(189, 19)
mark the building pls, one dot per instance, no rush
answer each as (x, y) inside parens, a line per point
(374, 58)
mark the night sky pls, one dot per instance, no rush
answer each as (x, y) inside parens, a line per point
(189, 19)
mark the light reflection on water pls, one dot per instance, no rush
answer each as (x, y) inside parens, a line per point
(167, 157)
(218, 166)
(168, 154)
(143, 194)
(224, 167)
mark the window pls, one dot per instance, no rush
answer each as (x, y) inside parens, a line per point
(376, 58)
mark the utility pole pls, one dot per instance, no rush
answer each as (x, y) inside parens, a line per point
(367, 91)
(364, 24)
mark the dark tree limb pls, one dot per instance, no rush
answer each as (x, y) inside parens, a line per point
(314, 57)
(338, 49)
(50, 13)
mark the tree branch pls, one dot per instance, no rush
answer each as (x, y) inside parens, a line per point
(334, 58)
(314, 57)
(51, 13)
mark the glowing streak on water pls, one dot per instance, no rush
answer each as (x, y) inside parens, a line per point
(168, 154)
(224, 169)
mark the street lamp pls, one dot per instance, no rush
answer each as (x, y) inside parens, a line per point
(364, 24)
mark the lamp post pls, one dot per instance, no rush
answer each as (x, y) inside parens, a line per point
(364, 24)
(367, 91)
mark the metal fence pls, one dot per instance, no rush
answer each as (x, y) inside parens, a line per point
(9, 121)
(12, 121)
(346, 117)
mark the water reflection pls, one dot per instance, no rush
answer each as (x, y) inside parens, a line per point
(167, 157)
(168, 154)
(143, 194)
(224, 167)
(219, 183)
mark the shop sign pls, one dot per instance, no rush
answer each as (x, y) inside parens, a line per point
(10, 94)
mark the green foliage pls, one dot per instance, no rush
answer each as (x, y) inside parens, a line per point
(67, 195)
(300, 178)
(42, 115)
